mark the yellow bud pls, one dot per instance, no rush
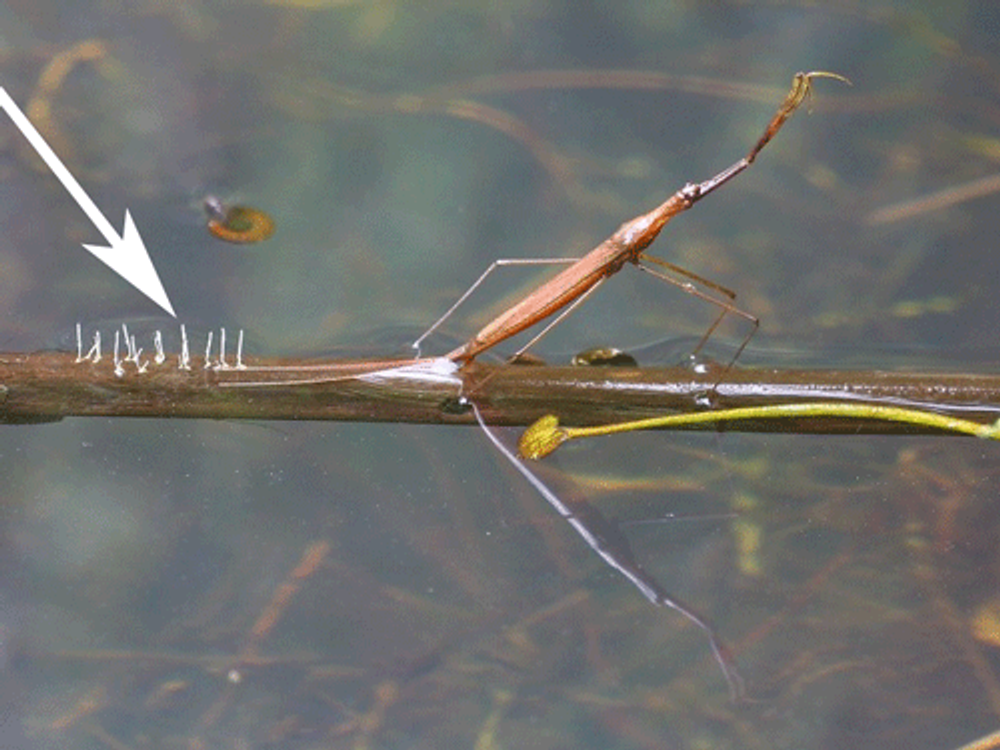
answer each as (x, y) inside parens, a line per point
(541, 438)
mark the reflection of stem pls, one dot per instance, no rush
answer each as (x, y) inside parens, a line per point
(486, 739)
(623, 80)
(551, 160)
(93, 701)
(938, 201)
(651, 80)
(385, 694)
(314, 99)
(39, 106)
(800, 597)
(312, 558)
(988, 742)
(955, 623)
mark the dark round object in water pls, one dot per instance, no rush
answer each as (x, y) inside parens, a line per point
(604, 357)
(456, 405)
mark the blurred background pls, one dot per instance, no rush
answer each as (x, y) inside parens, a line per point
(168, 584)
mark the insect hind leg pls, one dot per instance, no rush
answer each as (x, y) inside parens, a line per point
(705, 289)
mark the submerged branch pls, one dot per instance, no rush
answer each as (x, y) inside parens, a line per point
(48, 386)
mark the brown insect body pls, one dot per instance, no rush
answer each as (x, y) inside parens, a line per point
(572, 285)
(569, 285)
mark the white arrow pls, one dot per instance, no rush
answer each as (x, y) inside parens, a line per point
(126, 255)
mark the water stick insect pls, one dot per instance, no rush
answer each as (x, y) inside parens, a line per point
(571, 287)
(561, 294)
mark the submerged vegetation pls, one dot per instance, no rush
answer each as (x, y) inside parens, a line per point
(197, 584)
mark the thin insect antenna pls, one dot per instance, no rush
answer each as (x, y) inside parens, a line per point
(239, 352)
(208, 351)
(184, 358)
(621, 560)
(79, 343)
(159, 357)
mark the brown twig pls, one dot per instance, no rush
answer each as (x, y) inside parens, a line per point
(48, 386)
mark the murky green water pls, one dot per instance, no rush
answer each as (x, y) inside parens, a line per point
(234, 585)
